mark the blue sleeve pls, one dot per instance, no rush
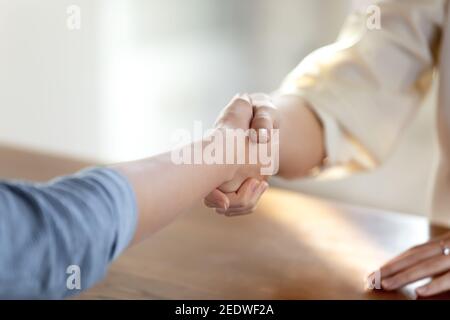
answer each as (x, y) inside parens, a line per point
(85, 220)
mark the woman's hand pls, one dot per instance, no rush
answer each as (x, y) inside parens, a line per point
(431, 259)
(301, 147)
(241, 194)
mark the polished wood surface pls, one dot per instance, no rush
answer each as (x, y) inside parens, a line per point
(18, 163)
(293, 247)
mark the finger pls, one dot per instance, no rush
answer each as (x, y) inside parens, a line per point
(217, 199)
(243, 195)
(262, 187)
(415, 249)
(409, 258)
(241, 198)
(236, 212)
(438, 285)
(237, 114)
(239, 101)
(251, 205)
(253, 202)
(262, 123)
(211, 205)
(424, 269)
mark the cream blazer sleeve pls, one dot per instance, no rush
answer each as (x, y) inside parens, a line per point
(368, 84)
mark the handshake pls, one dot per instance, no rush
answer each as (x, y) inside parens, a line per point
(256, 115)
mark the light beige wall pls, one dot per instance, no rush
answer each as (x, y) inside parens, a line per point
(49, 79)
(138, 69)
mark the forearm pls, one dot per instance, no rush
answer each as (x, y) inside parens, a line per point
(301, 137)
(164, 189)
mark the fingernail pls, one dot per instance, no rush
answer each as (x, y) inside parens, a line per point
(226, 205)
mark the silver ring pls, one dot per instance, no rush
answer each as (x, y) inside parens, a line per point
(445, 249)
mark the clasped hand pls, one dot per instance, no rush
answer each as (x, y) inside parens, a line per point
(240, 195)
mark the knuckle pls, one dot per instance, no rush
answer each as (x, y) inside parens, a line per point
(262, 119)
(263, 113)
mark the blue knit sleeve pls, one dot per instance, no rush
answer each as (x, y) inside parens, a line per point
(58, 238)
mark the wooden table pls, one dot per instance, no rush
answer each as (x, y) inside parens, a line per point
(293, 247)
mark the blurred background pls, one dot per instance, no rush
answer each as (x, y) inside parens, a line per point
(136, 70)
